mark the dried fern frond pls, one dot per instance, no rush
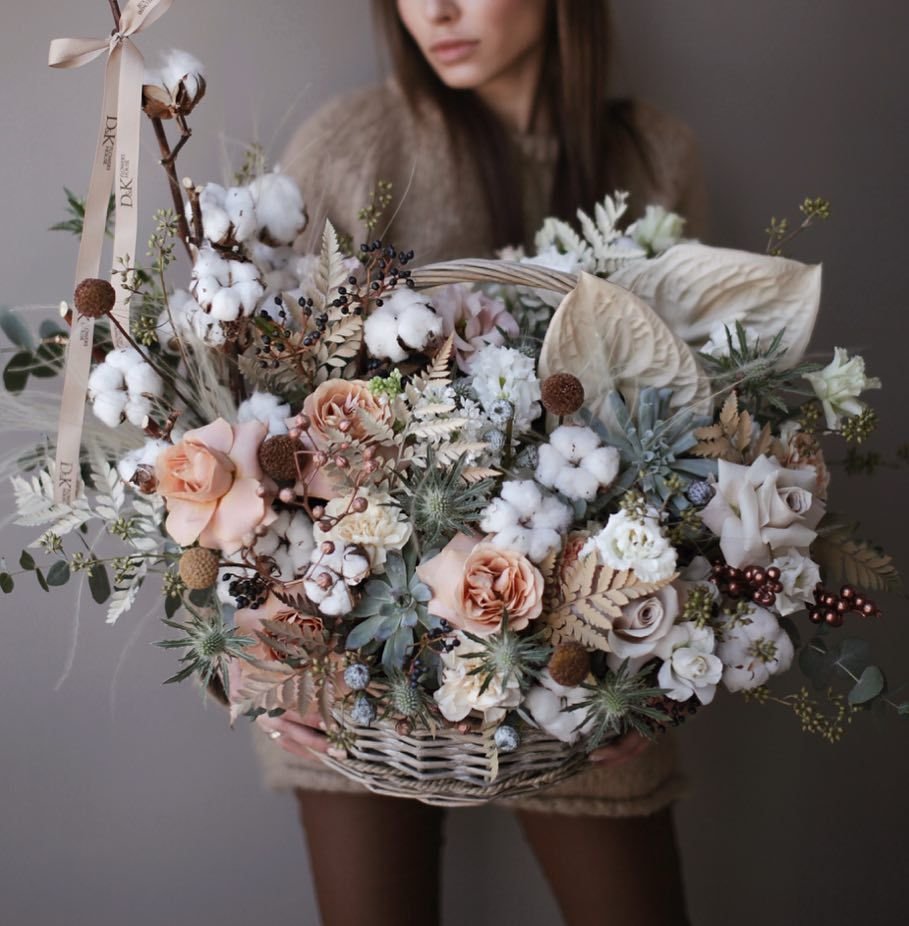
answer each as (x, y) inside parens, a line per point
(732, 438)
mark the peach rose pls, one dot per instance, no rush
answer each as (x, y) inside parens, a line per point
(214, 487)
(475, 583)
(338, 400)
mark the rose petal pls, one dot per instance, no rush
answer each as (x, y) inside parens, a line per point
(186, 520)
(240, 511)
(218, 435)
(443, 574)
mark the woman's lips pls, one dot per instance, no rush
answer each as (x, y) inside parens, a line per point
(453, 50)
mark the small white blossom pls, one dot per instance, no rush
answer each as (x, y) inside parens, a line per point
(575, 463)
(839, 385)
(658, 230)
(799, 575)
(638, 543)
(506, 373)
(753, 649)
(524, 520)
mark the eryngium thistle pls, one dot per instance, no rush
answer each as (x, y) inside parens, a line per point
(441, 503)
(506, 655)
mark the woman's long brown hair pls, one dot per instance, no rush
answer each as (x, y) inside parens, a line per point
(593, 132)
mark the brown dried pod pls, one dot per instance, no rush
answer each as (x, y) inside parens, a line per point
(562, 394)
(199, 568)
(569, 664)
(277, 457)
(94, 298)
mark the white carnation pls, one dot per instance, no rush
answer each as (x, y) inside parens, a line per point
(638, 543)
(505, 373)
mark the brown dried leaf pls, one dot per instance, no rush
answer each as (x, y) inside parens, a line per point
(856, 562)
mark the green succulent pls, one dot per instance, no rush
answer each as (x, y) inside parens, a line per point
(392, 607)
(652, 440)
(618, 703)
(440, 504)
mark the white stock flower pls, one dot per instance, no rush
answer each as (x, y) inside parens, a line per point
(550, 703)
(524, 520)
(799, 575)
(689, 664)
(751, 652)
(575, 463)
(658, 230)
(505, 373)
(761, 509)
(462, 692)
(267, 408)
(404, 323)
(378, 529)
(638, 543)
(839, 385)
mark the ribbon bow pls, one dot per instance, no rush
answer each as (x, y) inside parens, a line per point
(115, 168)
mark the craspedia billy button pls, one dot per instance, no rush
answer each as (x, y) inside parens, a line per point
(562, 394)
(569, 664)
(94, 298)
(276, 457)
(199, 568)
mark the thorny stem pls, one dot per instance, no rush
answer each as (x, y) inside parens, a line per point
(168, 162)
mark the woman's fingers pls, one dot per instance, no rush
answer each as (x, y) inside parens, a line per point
(296, 737)
(622, 750)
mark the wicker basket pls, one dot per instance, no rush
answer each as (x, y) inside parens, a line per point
(446, 767)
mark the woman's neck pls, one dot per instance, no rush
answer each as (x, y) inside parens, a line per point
(513, 94)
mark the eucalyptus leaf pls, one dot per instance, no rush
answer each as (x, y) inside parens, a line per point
(6, 582)
(99, 583)
(51, 329)
(16, 372)
(58, 574)
(15, 329)
(172, 604)
(26, 560)
(868, 687)
(42, 581)
(902, 709)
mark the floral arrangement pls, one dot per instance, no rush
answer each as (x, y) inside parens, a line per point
(467, 507)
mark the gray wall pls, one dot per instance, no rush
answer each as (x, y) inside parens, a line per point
(124, 802)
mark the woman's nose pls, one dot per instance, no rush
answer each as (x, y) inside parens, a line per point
(442, 11)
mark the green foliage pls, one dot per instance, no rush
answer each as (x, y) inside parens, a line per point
(75, 208)
(506, 655)
(778, 234)
(43, 360)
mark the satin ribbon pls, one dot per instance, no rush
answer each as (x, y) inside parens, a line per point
(115, 168)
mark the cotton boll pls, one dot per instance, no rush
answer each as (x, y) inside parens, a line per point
(216, 222)
(141, 456)
(267, 408)
(549, 464)
(143, 378)
(243, 271)
(418, 325)
(123, 359)
(109, 407)
(574, 443)
(138, 409)
(181, 67)
(209, 263)
(248, 293)
(240, 208)
(105, 378)
(225, 305)
(279, 207)
(381, 335)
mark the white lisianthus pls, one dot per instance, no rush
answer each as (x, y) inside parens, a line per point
(839, 385)
(632, 542)
(761, 509)
(754, 649)
(524, 520)
(658, 230)
(405, 322)
(462, 692)
(549, 704)
(575, 463)
(505, 373)
(799, 575)
(689, 664)
(378, 529)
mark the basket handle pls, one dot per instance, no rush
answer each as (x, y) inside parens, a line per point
(494, 271)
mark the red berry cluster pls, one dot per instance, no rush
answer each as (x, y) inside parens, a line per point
(755, 582)
(830, 609)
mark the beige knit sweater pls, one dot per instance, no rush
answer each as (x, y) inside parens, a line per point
(337, 156)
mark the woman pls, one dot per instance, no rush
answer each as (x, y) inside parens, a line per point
(497, 117)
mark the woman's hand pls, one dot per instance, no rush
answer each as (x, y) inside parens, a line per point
(622, 750)
(299, 735)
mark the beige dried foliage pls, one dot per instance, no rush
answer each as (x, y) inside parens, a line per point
(732, 438)
(844, 559)
(611, 340)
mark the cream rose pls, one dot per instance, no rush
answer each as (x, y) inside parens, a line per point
(475, 584)
(762, 508)
(689, 664)
(214, 486)
(644, 623)
(378, 529)
(462, 692)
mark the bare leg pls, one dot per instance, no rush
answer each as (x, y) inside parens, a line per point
(374, 859)
(610, 870)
